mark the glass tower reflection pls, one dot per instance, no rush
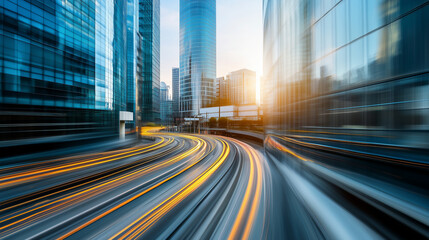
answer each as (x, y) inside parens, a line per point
(62, 66)
(149, 27)
(348, 66)
(197, 55)
(134, 61)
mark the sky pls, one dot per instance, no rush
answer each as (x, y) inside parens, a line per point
(239, 36)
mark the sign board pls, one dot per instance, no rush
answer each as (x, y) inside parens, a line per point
(192, 119)
(125, 116)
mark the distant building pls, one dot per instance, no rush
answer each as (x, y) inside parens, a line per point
(166, 105)
(176, 89)
(237, 88)
(197, 55)
(242, 87)
(164, 92)
(222, 92)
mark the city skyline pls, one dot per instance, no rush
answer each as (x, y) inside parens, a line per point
(107, 132)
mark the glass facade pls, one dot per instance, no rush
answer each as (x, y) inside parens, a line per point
(197, 55)
(166, 104)
(149, 27)
(62, 66)
(353, 66)
(134, 61)
(176, 89)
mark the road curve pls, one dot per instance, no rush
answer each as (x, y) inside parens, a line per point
(178, 186)
(184, 186)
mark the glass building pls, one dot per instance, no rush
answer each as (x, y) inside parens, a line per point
(352, 66)
(197, 55)
(134, 60)
(166, 104)
(149, 27)
(176, 88)
(62, 67)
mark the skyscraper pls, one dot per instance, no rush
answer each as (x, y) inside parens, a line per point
(197, 55)
(62, 67)
(166, 104)
(176, 90)
(149, 24)
(164, 92)
(134, 61)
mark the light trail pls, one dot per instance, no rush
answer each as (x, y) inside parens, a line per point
(37, 174)
(141, 225)
(211, 187)
(247, 213)
(74, 198)
(202, 144)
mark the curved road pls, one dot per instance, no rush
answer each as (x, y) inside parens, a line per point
(180, 186)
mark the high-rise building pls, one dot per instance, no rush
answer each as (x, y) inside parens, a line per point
(166, 104)
(176, 90)
(197, 55)
(134, 61)
(149, 24)
(348, 66)
(164, 92)
(62, 67)
(241, 85)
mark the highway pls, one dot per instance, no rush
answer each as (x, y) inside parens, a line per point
(178, 186)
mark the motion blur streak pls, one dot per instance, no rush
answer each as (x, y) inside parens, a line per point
(248, 221)
(26, 176)
(184, 186)
(357, 187)
(140, 194)
(154, 214)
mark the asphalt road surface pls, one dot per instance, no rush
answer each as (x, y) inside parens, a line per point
(178, 186)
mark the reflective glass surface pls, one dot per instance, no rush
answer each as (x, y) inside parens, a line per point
(197, 55)
(352, 66)
(62, 57)
(149, 27)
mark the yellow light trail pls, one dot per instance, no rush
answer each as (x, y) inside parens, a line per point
(143, 223)
(29, 175)
(73, 187)
(202, 145)
(245, 215)
(65, 202)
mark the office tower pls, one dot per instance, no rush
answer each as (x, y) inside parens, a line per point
(149, 24)
(241, 87)
(197, 55)
(356, 67)
(62, 67)
(164, 92)
(134, 63)
(176, 90)
(166, 104)
(222, 91)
